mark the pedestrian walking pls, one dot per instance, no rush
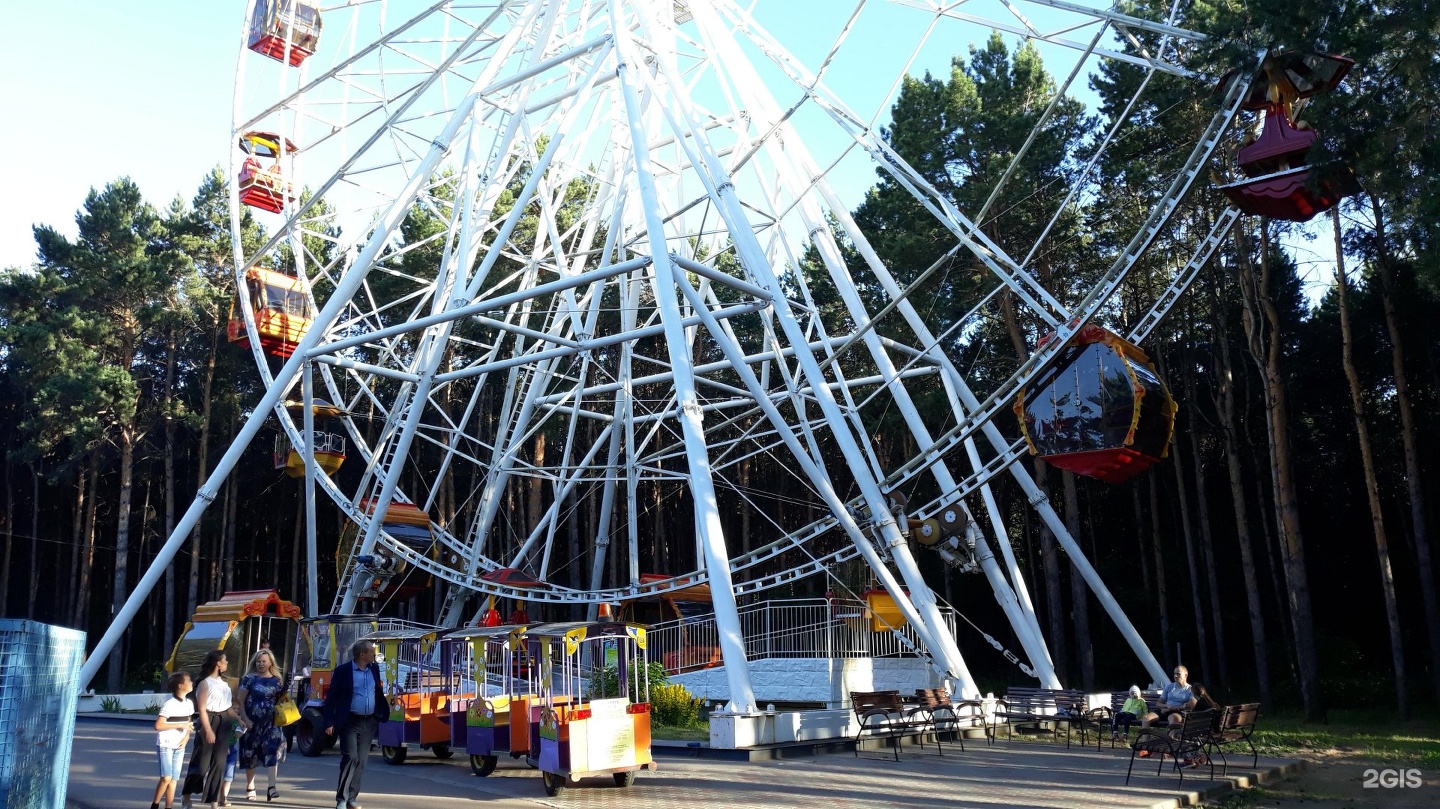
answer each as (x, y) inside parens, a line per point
(354, 708)
(173, 727)
(260, 688)
(218, 716)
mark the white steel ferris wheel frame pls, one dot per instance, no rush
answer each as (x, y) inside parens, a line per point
(664, 172)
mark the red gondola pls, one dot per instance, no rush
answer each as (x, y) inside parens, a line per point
(261, 186)
(277, 24)
(1099, 410)
(1280, 183)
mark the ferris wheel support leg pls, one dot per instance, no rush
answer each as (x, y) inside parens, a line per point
(707, 511)
(752, 258)
(312, 559)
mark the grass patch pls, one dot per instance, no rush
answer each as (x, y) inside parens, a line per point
(1353, 735)
(689, 733)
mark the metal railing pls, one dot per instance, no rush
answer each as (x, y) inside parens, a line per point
(810, 627)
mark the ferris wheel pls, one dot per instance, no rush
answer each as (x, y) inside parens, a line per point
(538, 273)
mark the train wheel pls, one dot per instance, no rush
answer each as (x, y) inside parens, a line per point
(442, 751)
(394, 755)
(553, 783)
(625, 779)
(482, 765)
(311, 740)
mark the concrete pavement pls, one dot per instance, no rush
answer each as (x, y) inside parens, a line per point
(113, 767)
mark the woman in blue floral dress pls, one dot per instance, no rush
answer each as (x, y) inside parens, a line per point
(261, 686)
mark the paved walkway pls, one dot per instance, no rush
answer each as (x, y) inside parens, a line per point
(113, 767)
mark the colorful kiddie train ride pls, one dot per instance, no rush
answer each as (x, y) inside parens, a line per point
(282, 312)
(323, 643)
(418, 683)
(1278, 179)
(286, 30)
(594, 721)
(260, 186)
(1099, 409)
(491, 714)
(330, 446)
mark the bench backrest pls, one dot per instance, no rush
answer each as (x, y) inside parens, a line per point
(1197, 725)
(1044, 700)
(1240, 717)
(932, 698)
(871, 700)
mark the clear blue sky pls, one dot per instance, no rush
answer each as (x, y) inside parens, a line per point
(99, 89)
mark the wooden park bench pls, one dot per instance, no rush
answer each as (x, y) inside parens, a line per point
(1234, 724)
(885, 714)
(1037, 706)
(1106, 717)
(946, 716)
(1186, 741)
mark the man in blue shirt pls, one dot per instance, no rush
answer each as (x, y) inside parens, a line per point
(354, 708)
(1175, 699)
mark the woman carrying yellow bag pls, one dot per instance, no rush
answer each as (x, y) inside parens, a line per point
(262, 690)
(287, 712)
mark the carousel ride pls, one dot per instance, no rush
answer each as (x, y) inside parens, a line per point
(553, 253)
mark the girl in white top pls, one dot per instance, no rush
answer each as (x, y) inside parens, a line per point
(173, 726)
(217, 713)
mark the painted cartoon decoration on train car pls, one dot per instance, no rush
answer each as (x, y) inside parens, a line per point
(285, 30)
(1280, 182)
(329, 446)
(1099, 410)
(282, 312)
(260, 186)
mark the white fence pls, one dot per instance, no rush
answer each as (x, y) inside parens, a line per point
(812, 627)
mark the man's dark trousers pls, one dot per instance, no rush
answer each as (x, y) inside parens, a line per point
(355, 739)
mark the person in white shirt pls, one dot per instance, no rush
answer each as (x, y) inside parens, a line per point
(217, 716)
(173, 731)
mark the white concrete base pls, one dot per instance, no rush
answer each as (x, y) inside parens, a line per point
(95, 703)
(738, 731)
(813, 679)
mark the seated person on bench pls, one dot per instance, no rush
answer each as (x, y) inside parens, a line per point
(1175, 699)
(1130, 713)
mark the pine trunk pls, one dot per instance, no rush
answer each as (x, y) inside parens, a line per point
(202, 466)
(87, 551)
(122, 549)
(1079, 591)
(35, 543)
(1410, 434)
(1367, 462)
(168, 624)
(9, 538)
(1054, 596)
(1197, 608)
(1157, 544)
(1297, 586)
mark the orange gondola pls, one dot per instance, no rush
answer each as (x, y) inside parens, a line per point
(1099, 410)
(282, 312)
